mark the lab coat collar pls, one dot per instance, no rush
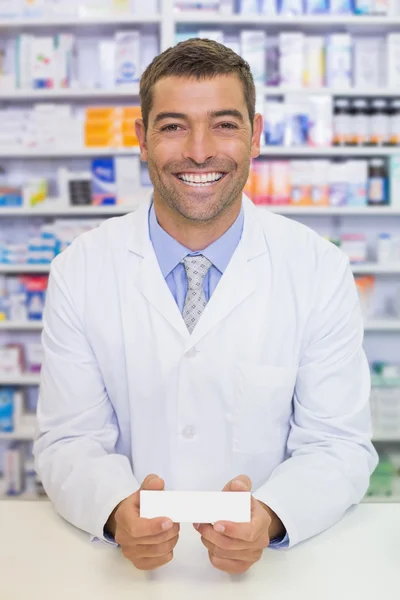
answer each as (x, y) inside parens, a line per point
(236, 284)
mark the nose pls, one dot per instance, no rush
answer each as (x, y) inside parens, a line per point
(199, 146)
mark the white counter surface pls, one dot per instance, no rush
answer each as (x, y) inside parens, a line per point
(44, 558)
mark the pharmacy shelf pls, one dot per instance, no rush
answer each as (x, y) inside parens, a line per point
(328, 21)
(26, 379)
(390, 325)
(352, 92)
(67, 152)
(21, 325)
(324, 211)
(110, 20)
(339, 151)
(381, 500)
(69, 94)
(376, 269)
(20, 434)
(10, 269)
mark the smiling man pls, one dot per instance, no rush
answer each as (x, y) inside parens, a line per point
(200, 338)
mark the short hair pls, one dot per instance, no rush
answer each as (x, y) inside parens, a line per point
(201, 59)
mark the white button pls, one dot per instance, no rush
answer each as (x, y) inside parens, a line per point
(189, 432)
(192, 352)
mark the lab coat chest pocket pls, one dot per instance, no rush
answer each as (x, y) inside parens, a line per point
(263, 406)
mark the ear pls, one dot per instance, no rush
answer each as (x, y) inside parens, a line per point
(258, 131)
(141, 136)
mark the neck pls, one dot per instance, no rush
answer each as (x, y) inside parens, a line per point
(195, 235)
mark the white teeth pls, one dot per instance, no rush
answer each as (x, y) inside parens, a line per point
(202, 179)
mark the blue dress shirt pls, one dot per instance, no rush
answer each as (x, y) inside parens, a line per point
(170, 254)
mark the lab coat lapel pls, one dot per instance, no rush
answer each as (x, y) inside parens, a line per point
(240, 278)
(150, 280)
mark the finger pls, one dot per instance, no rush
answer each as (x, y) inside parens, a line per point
(243, 555)
(161, 537)
(242, 483)
(153, 482)
(150, 564)
(247, 532)
(222, 541)
(154, 551)
(140, 528)
(232, 567)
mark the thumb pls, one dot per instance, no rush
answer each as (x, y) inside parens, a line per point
(153, 482)
(242, 483)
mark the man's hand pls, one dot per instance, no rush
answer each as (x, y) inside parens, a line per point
(235, 547)
(147, 543)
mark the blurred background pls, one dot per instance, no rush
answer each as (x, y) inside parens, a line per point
(328, 84)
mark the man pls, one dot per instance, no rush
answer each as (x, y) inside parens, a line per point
(200, 337)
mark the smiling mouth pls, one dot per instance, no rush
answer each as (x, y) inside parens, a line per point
(200, 180)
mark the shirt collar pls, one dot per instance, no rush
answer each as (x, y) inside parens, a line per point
(170, 252)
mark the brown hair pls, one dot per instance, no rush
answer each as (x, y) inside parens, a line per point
(201, 59)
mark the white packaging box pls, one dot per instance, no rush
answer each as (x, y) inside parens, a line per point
(64, 45)
(9, 359)
(339, 61)
(13, 470)
(87, 64)
(23, 70)
(127, 172)
(269, 7)
(7, 65)
(248, 7)
(393, 58)
(314, 61)
(212, 34)
(253, 45)
(94, 8)
(60, 8)
(226, 7)
(394, 182)
(10, 8)
(107, 63)
(368, 55)
(127, 57)
(42, 70)
(291, 47)
(149, 49)
(33, 8)
(151, 7)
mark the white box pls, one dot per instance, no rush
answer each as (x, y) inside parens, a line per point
(127, 173)
(368, 62)
(42, 62)
(196, 507)
(291, 47)
(314, 60)
(339, 61)
(253, 45)
(107, 63)
(212, 34)
(393, 57)
(127, 57)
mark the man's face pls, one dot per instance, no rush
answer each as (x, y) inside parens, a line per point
(199, 144)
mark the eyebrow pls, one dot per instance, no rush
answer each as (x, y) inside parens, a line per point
(231, 112)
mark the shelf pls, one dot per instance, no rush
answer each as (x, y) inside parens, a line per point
(16, 380)
(353, 92)
(110, 20)
(20, 434)
(375, 268)
(66, 94)
(391, 325)
(60, 209)
(21, 325)
(329, 151)
(381, 500)
(328, 21)
(67, 152)
(324, 211)
(5, 269)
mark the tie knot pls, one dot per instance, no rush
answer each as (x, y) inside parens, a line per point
(197, 268)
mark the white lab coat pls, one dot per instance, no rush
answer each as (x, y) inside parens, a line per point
(273, 382)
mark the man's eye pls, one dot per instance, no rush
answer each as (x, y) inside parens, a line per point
(170, 128)
(227, 126)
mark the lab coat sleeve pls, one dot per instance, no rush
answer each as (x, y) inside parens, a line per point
(74, 449)
(331, 456)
